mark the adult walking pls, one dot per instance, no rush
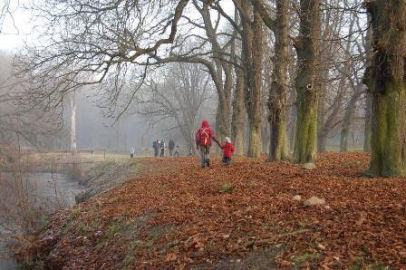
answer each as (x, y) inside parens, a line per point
(203, 137)
(171, 146)
(162, 146)
(155, 145)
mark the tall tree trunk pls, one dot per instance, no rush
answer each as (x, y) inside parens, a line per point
(368, 123)
(73, 147)
(279, 88)
(321, 114)
(255, 104)
(368, 109)
(387, 83)
(349, 111)
(239, 114)
(308, 48)
(223, 117)
(252, 51)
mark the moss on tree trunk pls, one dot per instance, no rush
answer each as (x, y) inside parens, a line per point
(308, 49)
(386, 81)
(239, 114)
(389, 132)
(278, 93)
(255, 142)
(252, 52)
(368, 123)
(306, 127)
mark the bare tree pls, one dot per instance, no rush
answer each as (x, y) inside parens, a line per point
(179, 98)
(73, 147)
(252, 52)
(91, 42)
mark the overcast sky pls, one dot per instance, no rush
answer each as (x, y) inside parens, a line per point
(18, 28)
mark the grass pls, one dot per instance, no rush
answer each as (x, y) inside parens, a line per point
(362, 263)
(119, 227)
(351, 164)
(226, 188)
(306, 257)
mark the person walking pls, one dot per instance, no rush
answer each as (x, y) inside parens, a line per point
(162, 147)
(132, 152)
(155, 145)
(203, 138)
(228, 150)
(177, 151)
(171, 146)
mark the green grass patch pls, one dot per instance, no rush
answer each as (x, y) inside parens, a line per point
(227, 188)
(306, 257)
(117, 227)
(362, 264)
(351, 164)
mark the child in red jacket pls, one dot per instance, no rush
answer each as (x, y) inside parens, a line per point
(228, 149)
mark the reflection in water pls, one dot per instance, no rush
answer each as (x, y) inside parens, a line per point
(49, 191)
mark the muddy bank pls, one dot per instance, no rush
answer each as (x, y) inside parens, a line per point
(53, 191)
(45, 193)
(105, 176)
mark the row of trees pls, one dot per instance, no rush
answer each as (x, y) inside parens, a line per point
(296, 61)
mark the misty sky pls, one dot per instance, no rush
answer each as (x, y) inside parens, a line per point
(18, 28)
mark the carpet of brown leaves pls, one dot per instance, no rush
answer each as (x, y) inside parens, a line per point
(178, 215)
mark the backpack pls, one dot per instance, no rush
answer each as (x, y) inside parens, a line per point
(204, 136)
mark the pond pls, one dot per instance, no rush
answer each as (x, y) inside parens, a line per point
(48, 190)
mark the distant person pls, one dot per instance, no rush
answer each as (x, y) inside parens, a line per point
(162, 147)
(132, 152)
(155, 145)
(177, 151)
(171, 146)
(203, 138)
(228, 150)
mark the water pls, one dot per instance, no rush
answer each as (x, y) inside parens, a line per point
(49, 189)
(6, 263)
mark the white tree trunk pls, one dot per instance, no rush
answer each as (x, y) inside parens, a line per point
(73, 124)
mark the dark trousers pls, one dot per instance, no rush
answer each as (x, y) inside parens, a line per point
(227, 160)
(204, 155)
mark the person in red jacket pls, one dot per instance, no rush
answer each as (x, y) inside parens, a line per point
(204, 135)
(228, 149)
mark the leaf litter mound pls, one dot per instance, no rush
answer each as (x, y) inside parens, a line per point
(177, 215)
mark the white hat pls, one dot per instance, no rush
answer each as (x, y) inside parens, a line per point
(228, 140)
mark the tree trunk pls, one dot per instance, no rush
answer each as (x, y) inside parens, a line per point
(368, 109)
(368, 123)
(252, 50)
(308, 48)
(279, 88)
(387, 83)
(322, 132)
(73, 147)
(223, 120)
(255, 115)
(322, 141)
(238, 121)
(347, 119)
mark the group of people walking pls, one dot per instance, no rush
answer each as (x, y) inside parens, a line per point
(160, 146)
(203, 137)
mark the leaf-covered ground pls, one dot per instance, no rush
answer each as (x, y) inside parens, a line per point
(242, 216)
